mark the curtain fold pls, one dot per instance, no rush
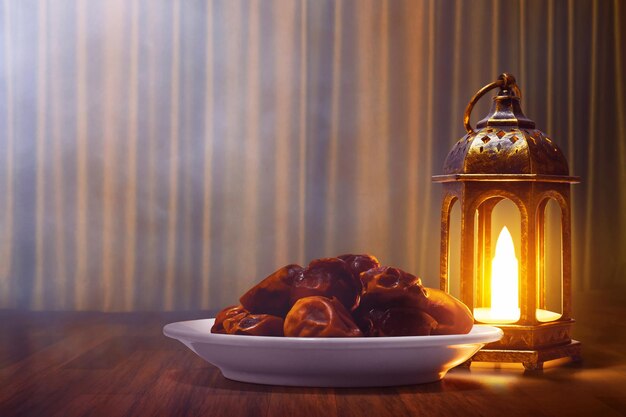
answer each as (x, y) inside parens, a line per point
(168, 154)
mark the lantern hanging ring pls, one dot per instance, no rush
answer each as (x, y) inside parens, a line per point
(505, 82)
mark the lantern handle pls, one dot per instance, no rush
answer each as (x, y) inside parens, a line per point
(505, 81)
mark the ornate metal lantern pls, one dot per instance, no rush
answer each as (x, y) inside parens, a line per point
(507, 158)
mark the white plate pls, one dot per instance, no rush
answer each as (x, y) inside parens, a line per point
(331, 362)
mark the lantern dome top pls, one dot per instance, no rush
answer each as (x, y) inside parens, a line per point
(506, 141)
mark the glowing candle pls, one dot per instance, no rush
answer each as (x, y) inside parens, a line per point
(504, 284)
(504, 277)
(505, 287)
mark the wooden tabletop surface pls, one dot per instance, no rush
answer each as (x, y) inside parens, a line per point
(97, 364)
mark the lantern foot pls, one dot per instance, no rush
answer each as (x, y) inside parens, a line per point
(533, 366)
(532, 360)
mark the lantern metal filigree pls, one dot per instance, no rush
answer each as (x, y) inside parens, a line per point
(506, 157)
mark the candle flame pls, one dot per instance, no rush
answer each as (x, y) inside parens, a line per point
(504, 279)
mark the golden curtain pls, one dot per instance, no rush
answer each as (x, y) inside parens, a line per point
(167, 154)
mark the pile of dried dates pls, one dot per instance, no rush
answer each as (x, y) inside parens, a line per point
(346, 296)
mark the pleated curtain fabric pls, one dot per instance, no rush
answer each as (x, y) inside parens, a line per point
(165, 155)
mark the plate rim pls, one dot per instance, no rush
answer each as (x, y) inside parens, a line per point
(181, 330)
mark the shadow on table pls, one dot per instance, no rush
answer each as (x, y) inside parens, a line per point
(210, 377)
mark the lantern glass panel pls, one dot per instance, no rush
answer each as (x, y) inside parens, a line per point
(498, 232)
(454, 257)
(550, 274)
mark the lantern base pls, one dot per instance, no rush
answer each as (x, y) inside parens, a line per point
(534, 336)
(532, 360)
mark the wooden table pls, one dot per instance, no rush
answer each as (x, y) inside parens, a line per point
(97, 364)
